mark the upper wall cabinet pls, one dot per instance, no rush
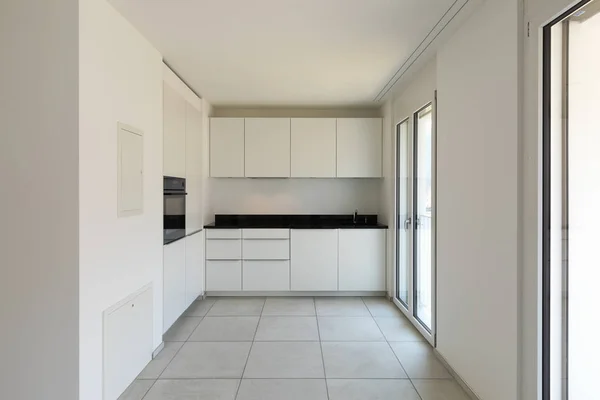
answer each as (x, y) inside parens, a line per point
(193, 161)
(313, 148)
(227, 147)
(174, 133)
(359, 148)
(267, 148)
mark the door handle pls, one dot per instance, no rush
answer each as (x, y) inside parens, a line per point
(407, 223)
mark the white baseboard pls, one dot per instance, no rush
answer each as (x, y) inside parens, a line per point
(295, 294)
(160, 348)
(456, 376)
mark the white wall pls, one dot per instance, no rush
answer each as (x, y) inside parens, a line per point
(121, 79)
(294, 196)
(39, 287)
(291, 112)
(478, 200)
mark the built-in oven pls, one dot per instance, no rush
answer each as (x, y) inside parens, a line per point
(173, 209)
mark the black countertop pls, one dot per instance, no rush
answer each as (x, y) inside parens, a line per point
(305, 221)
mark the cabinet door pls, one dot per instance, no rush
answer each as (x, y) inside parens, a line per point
(174, 133)
(362, 259)
(359, 148)
(193, 161)
(227, 147)
(267, 147)
(223, 275)
(173, 282)
(314, 259)
(313, 147)
(266, 275)
(194, 267)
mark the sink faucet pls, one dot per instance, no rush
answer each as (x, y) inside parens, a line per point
(355, 216)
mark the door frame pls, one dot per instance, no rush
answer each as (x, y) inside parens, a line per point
(430, 336)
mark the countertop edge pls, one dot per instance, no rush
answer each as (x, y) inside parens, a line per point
(299, 227)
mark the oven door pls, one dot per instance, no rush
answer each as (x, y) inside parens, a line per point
(174, 216)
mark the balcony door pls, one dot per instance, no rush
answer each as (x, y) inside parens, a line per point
(415, 223)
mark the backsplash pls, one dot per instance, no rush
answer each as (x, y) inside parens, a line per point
(294, 196)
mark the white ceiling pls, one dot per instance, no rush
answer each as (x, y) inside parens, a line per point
(285, 52)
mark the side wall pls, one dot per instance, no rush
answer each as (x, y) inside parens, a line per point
(478, 199)
(39, 287)
(121, 77)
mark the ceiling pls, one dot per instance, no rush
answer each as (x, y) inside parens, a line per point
(286, 52)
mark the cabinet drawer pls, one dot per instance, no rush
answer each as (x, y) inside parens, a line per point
(220, 249)
(270, 249)
(266, 276)
(266, 233)
(223, 275)
(223, 233)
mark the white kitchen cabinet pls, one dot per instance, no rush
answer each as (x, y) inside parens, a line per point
(223, 249)
(266, 275)
(194, 267)
(267, 148)
(223, 233)
(362, 259)
(266, 249)
(314, 259)
(173, 282)
(359, 148)
(227, 147)
(174, 152)
(313, 147)
(223, 275)
(193, 161)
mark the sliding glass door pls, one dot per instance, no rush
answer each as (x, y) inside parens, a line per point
(415, 194)
(423, 216)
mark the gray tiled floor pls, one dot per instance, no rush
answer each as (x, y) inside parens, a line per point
(294, 349)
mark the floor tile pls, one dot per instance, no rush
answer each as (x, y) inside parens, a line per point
(137, 390)
(361, 360)
(236, 307)
(181, 329)
(439, 389)
(160, 362)
(199, 308)
(285, 360)
(209, 360)
(398, 329)
(193, 389)
(419, 361)
(382, 307)
(287, 329)
(341, 306)
(277, 306)
(353, 329)
(283, 389)
(371, 389)
(225, 329)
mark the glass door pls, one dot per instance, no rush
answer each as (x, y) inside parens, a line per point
(423, 168)
(403, 213)
(415, 219)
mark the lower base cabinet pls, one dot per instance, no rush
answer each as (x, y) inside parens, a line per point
(223, 275)
(266, 275)
(314, 259)
(362, 259)
(174, 303)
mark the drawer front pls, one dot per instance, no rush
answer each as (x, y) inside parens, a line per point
(266, 276)
(223, 275)
(266, 233)
(271, 249)
(221, 249)
(223, 233)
